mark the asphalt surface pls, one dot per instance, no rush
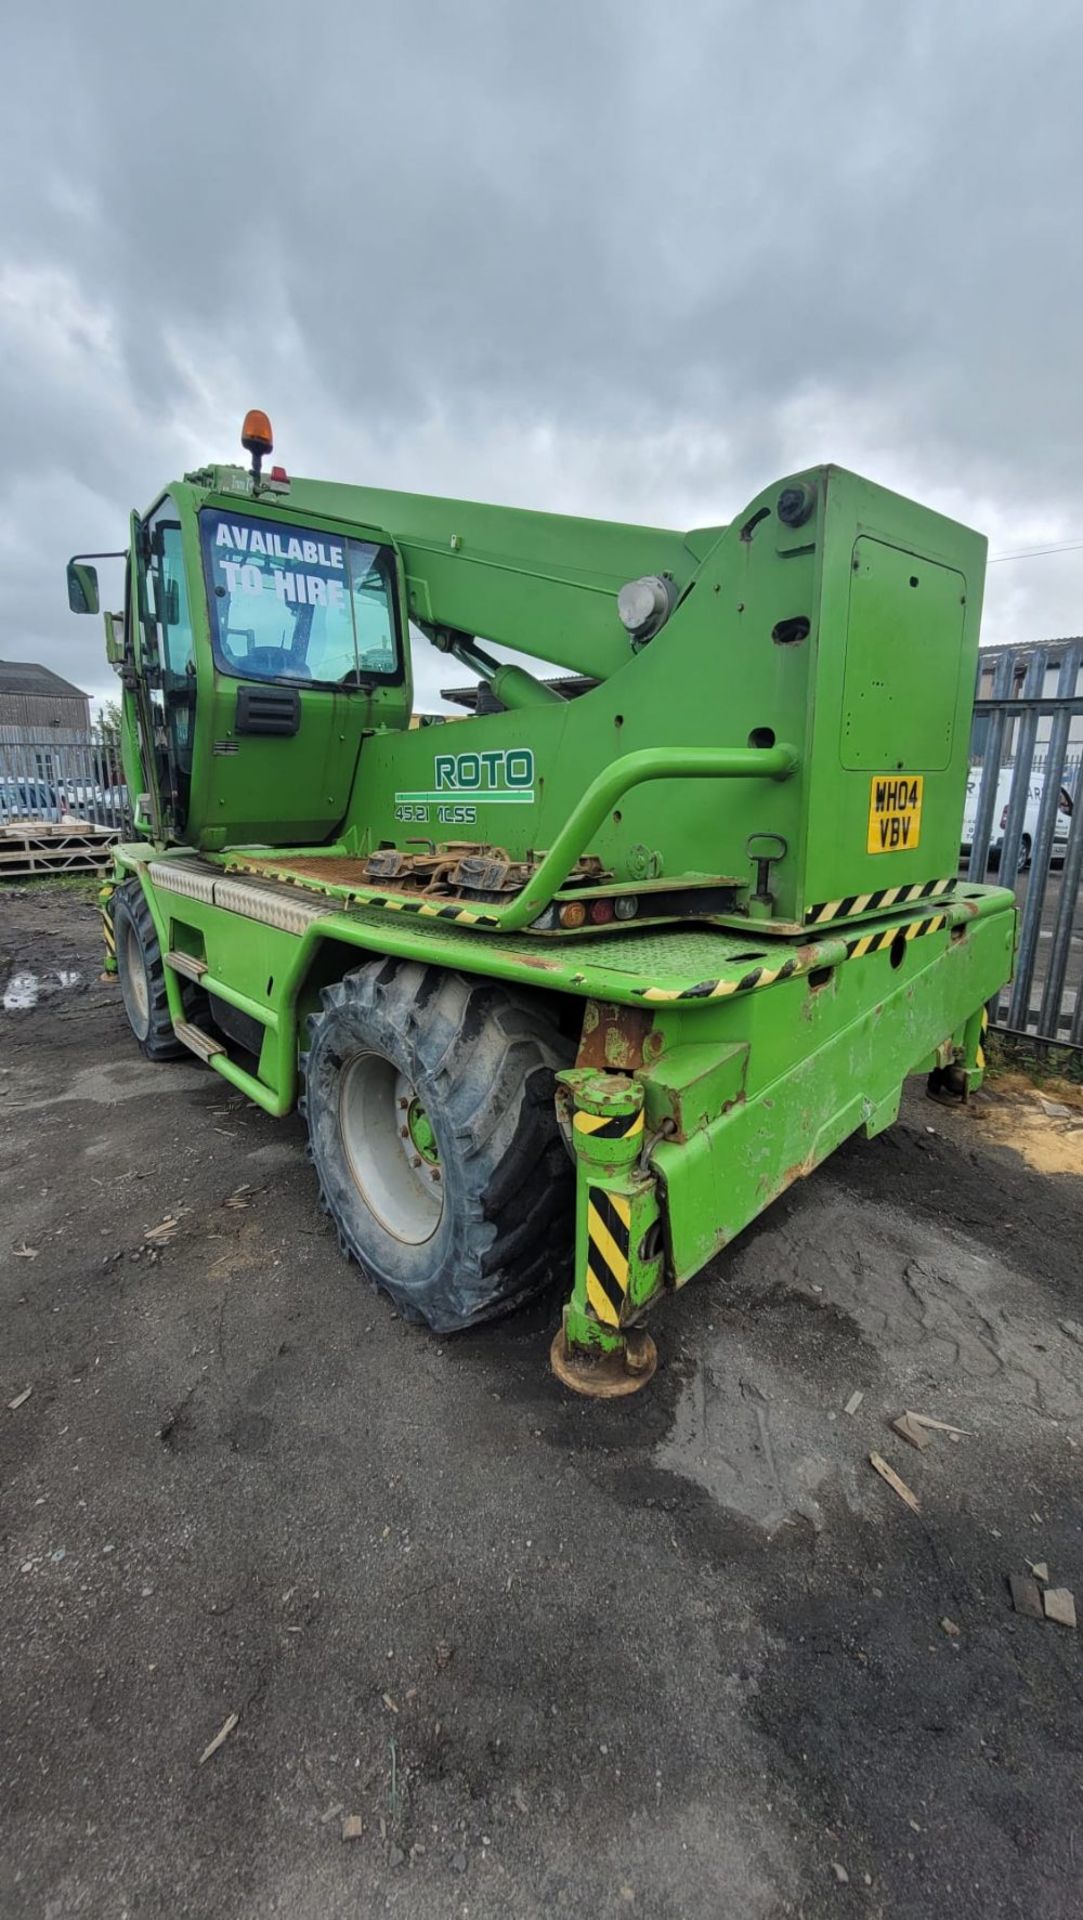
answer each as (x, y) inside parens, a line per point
(679, 1656)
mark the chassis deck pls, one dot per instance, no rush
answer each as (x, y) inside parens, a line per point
(658, 965)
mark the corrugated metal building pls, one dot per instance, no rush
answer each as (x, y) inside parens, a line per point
(36, 704)
(1055, 653)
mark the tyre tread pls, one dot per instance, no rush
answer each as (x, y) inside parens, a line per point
(488, 1061)
(161, 1042)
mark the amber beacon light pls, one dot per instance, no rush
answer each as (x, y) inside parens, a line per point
(257, 438)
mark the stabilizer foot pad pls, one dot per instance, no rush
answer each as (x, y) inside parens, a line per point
(609, 1375)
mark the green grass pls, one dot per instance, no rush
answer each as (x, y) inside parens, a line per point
(1044, 1062)
(83, 885)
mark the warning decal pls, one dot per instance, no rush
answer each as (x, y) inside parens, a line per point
(895, 812)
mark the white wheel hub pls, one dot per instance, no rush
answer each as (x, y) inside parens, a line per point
(390, 1148)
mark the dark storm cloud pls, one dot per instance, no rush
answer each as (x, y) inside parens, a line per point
(619, 255)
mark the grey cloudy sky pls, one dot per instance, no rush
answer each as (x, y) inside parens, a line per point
(633, 258)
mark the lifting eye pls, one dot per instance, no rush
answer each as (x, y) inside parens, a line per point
(750, 526)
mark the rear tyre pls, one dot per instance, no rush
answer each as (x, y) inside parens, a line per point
(141, 973)
(433, 1131)
(1024, 854)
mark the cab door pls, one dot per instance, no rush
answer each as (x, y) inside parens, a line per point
(159, 672)
(307, 655)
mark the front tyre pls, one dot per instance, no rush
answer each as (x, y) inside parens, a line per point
(433, 1131)
(141, 973)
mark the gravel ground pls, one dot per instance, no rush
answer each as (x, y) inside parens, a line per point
(680, 1656)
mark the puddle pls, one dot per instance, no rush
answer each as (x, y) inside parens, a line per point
(25, 989)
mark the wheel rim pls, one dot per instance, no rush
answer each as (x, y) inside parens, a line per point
(134, 981)
(390, 1148)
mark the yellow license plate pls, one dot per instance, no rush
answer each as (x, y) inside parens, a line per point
(895, 812)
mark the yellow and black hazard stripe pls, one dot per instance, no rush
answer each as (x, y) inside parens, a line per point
(852, 903)
(721, 989)
(979, 1057)
(609, 1218)
(608, 1126)
(388, 902)
(856, 949)
(105, 908)
(462, 916)
(876, 942)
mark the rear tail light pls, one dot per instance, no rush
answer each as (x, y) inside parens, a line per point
(601, 911)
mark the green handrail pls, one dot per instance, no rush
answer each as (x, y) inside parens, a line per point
(631, 770)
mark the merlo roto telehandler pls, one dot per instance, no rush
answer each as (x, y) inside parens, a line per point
(577, 985)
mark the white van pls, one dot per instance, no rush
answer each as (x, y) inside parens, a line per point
(1035, 788)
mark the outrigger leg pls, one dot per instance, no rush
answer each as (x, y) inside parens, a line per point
(619, 1251)
(961, 1068)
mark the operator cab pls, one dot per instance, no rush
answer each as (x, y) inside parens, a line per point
(258, 646)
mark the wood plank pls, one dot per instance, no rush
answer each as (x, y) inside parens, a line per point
(897, 1486)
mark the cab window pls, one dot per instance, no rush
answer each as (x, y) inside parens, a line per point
(296, 604)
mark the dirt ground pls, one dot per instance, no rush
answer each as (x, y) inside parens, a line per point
(682, 1656)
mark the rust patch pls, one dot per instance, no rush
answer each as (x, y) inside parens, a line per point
(808, 956)
(798, 1171)
(613, 1040)
(332, 872)
(773, 1190)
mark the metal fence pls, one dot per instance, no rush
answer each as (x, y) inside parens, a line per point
(1024, 818)
(63, 780)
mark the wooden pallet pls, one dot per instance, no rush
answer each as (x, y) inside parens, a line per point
(32, 847)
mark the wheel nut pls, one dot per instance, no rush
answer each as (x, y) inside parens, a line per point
(405, 1132)
(415, 1160)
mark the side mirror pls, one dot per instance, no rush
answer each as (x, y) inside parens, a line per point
(82, 587)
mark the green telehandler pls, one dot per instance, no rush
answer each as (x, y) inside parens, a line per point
(576, 985)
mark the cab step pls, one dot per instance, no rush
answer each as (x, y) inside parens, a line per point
(187, 964)
(194, 1037)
